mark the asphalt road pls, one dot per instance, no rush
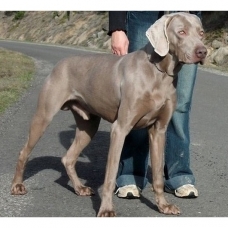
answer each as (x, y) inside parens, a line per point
(50, 194)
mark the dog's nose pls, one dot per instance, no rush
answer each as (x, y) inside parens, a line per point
(201, 52)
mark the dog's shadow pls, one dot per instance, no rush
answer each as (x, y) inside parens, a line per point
(93, 173)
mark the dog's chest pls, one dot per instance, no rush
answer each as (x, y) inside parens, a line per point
(153, 105)
(159, 94)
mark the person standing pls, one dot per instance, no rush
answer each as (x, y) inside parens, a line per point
(127, 30)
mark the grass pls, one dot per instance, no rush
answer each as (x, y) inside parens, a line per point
(16, 72)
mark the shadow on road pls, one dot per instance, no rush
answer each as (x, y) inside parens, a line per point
(90, 165)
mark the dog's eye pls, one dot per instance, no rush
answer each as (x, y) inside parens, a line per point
(201, 33)
(182, 32)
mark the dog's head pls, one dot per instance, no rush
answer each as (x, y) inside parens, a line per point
(179, 34)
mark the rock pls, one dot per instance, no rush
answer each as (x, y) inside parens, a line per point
(220, 56)
(217, 44)
(100, 34)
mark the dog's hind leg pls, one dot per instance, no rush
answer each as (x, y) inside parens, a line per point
(48, 105)
(85, 130)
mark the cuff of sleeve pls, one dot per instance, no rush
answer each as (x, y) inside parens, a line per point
(110, 32)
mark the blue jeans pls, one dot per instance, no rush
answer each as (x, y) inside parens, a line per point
(134, 158)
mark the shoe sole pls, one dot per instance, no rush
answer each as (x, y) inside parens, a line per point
(191, 195)
(129, 196)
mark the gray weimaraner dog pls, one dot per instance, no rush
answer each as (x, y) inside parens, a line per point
(132, 91)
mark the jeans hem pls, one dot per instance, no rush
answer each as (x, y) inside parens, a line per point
(178, 181)
(127, 179)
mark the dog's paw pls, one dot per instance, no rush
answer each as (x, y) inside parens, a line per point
(85, 191)
(169, 209)
(106, 213)
(18, 189)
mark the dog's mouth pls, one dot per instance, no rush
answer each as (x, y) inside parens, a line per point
(201, 62)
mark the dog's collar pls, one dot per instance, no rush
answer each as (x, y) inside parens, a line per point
(173, 76)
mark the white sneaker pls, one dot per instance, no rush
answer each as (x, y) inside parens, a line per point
(185, 191)
(128, 192)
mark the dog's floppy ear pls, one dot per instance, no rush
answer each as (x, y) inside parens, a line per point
(157, 35)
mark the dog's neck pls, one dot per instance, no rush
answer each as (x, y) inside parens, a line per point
(167, 64)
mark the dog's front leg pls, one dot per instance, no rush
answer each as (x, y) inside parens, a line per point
(118, 135)
(157, 144)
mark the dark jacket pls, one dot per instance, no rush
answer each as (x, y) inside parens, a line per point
(117, 21)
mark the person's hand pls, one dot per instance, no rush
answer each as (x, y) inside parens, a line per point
(119, 43)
